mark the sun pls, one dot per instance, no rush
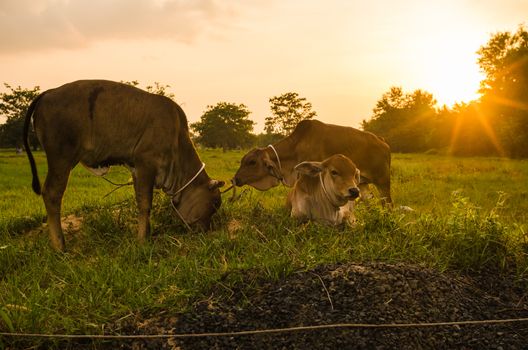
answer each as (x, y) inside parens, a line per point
(448, 68)
(455, 78)
(444, 58)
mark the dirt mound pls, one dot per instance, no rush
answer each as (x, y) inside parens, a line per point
(373, 293)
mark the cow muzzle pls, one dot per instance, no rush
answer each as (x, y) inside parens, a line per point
(353, 193)
(236, 181)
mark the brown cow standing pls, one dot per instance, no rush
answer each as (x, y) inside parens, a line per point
(312, 140)
(325, 190)
(100, 123)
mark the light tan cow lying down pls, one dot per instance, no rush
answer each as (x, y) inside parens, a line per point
(325, 191)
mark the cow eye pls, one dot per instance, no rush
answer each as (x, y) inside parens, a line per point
(252, 162)
(334, 173)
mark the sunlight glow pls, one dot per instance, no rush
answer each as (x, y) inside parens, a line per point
(455, 81)
(444, 57)
(483, 122)
(511, 103)
(490, 132)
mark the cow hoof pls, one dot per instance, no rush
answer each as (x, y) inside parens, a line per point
(58, 245)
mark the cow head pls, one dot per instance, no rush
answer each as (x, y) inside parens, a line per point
(339, 176)
(257, 170)
(199, 202)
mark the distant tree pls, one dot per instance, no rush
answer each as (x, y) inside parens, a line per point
(160, 89)
(157, 88)
(13, 107)
(504, 61)
(287, 111)
(496, 124)
(225, 125)
(406, 121)
(264, 139)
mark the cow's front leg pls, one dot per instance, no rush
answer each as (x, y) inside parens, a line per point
(347, 212)
(144, 186)
(364, 192)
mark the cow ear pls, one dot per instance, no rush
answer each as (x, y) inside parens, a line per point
(214, 184)
(309, 168)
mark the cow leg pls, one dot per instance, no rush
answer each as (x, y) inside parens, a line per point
(364, 192)
(385, 193)
(347, 212)
(52, 192)
(144, 186)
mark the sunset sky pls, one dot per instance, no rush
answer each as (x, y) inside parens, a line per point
(341, 55)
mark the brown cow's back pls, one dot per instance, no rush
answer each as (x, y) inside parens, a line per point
(85, 114)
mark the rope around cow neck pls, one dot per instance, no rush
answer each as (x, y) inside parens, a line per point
(325, 191)
(276, 155)
(180, 190)
(281, 178)
(190, 181)
(327, 195)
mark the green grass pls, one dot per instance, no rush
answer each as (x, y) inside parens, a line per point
(469, 213)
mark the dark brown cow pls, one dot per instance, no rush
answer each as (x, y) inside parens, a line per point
(325, 191)
(313, 140)
(101, 123)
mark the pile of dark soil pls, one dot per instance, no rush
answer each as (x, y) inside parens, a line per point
(372, 293)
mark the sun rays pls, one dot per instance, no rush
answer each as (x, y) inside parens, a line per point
(466, 127)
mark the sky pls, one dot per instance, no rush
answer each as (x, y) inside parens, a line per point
(341, 55)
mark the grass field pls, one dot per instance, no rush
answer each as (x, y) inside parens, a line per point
(469, 213)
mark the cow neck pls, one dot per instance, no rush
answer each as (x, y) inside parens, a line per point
(180, 190)
(327, 195)
(190, 181)
(178, 178)
(281, 148)
(281, 176)
(189, 165)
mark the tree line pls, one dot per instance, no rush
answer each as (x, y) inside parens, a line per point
(494, 124)
(224, 125)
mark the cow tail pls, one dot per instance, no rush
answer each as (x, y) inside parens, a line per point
(29, 114)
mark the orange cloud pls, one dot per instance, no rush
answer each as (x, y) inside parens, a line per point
(50, 24)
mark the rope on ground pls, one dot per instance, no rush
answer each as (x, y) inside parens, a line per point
(118, 186)
(267, 331)
(228, 189)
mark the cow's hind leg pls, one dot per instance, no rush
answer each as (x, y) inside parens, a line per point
(144, 186)
(52, 192)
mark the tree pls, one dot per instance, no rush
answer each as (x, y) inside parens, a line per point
(13, 107)
(405, 120)
(264, 139)
(287, 111)
(157, 88)
(504, 61)
(225, 125)
(496, 124)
